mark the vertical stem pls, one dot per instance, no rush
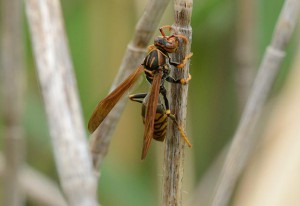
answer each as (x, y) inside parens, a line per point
(246, 48)
(12, 80)
(244, 138)
(59, 90)
(174, 149)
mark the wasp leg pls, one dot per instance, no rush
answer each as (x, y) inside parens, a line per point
(151, 73)
(137, 97)
(183, 63)
(163, 92)
(185, 81)
(183, 135)
(179, 81)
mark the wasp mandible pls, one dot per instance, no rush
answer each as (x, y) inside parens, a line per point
(157, 70)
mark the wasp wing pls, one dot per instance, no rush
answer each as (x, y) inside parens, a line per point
(151, 112)
(105, 106)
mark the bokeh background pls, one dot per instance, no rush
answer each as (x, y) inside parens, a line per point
(98, 33)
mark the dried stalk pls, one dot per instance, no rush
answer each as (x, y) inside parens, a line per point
(274, 168)
(13, 85)
(59, 90)
(134, 55)
(174, 149)
(36, 186)
(240, 148)
(245, 49)
(40, 189)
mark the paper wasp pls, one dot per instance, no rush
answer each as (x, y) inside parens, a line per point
(156, 68)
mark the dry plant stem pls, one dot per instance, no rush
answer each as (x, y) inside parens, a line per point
(245, 49)
(134, 55)
(174, 149)
(12, 84)
(40, 189)
(274, 168)
(37, 187)
(240, 150)
(59, 90)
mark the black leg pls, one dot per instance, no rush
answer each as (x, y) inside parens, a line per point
(172, 80)
(179, 81)
(163, 92)
(182, 63)
(137, 97)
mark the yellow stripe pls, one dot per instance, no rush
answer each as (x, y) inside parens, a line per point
(160, 119)
(158, 126)
(152, 60)
(161, 129)
(164, 133)
(158, 58)
(147, 59)
(160, 134)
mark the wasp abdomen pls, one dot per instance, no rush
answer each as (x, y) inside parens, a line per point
(160, 127)
(160, 122)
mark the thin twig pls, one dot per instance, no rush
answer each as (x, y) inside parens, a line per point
(245, 50)
(134, 55)
(40, 189)
(13, 84)
(240, 150)
(274, 168)
(174, 149)
(59, 90)
(37, 187)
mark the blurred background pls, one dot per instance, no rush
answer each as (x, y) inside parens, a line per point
(229, 39)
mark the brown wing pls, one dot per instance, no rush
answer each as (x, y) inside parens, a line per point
(106, 105)
(150, 113)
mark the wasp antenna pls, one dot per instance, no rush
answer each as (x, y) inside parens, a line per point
(164, 27)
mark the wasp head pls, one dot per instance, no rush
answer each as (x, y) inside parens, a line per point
(168, 43)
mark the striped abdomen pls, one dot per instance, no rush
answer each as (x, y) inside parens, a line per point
(160, 127)
(160, 122)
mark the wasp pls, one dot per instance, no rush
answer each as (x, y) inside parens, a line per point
(157, 71)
